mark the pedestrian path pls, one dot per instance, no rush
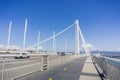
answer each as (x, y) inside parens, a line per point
(89, 71)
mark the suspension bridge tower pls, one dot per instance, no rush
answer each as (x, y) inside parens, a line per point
(77, 44)
(78, 33)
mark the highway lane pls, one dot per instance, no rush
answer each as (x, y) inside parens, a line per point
(69, 71)
(10, 57)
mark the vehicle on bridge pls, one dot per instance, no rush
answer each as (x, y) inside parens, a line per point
(21, 55)
(61, 53)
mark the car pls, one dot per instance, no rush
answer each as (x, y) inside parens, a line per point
(61, 53)
(22, 55)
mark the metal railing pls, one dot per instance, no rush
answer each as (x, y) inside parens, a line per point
(11, 68)
(109, 66)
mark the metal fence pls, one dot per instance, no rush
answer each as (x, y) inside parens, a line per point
(11, 68)
(109, 66)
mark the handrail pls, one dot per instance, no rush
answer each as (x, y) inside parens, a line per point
(109, 66)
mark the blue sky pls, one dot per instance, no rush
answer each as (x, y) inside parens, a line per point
(99, 20)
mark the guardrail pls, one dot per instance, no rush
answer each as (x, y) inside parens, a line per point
(11, 68)
(109, 66)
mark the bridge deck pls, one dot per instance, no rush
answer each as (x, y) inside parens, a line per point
(77, 69)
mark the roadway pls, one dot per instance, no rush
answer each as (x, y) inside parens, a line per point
(10, 57)
(69, 71)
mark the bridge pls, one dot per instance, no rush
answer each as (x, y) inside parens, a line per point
(51, 65)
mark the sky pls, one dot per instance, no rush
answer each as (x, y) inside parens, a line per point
(99, 21)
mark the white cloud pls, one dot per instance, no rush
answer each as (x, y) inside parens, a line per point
(90, 46)
(14, 47)
(40, 48)
(119, 48)
(1, 46)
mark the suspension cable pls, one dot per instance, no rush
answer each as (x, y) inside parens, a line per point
(51, 36)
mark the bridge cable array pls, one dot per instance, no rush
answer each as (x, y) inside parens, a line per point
(51, 37)
(78, 33)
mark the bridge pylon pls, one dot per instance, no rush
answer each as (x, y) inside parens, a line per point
(78, 33)
(77, 44)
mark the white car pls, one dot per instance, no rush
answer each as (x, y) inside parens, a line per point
(21, 55)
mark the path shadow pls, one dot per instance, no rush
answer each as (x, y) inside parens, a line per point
(90, 74)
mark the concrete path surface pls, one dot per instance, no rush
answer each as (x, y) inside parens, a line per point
(77, 69)
(89, 71)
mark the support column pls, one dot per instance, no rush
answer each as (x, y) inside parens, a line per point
(53, 41)
(84, 42)
(9, 34)
(66, 45)
(38, 41)
(25, 31)
(77, 48)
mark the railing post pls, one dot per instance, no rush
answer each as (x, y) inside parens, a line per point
(65, 58)
(59, 59)
(105, 67)
(48, 61)
(41, 63)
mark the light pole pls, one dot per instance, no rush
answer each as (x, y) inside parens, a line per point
(9, 34)
(66, 45)
(25, 31)
(38, 40)
(53, 41)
